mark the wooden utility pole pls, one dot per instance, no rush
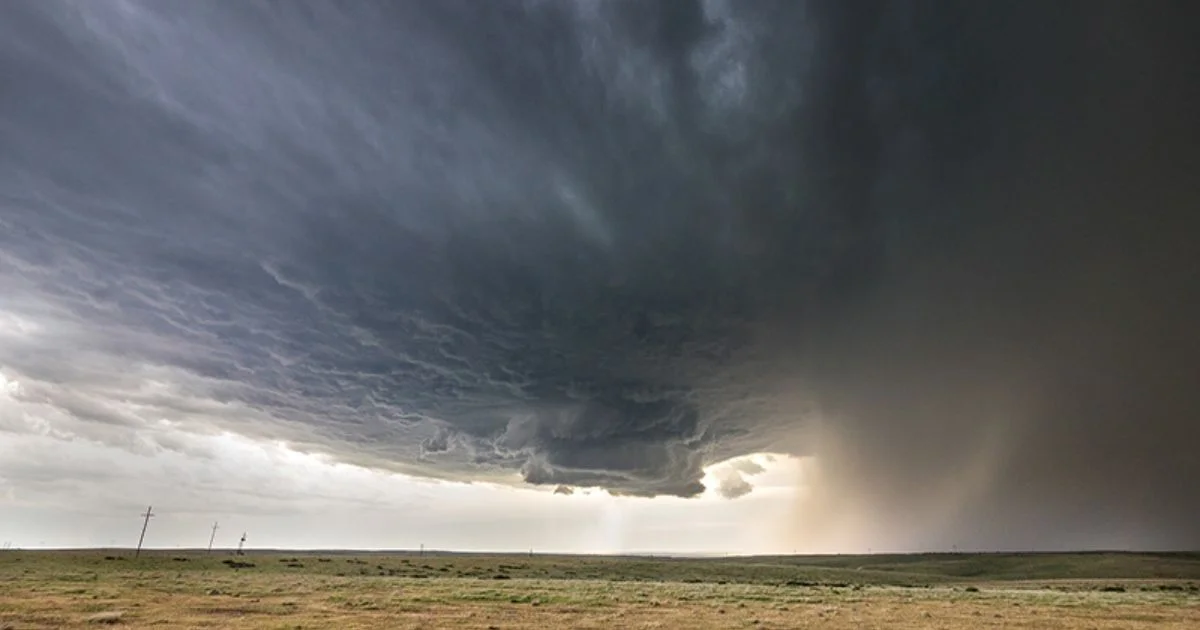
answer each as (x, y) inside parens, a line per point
(213, 537)
(145, 523)
(241, 543)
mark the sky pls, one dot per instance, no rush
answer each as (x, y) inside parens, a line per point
(600, 276)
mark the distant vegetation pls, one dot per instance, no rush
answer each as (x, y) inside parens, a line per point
(289, 589)
(839, 570)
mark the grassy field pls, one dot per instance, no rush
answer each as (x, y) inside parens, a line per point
(84, 589)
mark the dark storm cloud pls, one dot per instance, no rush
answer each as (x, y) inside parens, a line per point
(942, 247)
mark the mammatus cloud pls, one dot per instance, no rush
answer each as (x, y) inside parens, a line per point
(942, 250)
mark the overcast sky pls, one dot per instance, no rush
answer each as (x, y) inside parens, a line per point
(600, 276)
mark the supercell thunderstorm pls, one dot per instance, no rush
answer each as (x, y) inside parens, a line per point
(607, 244)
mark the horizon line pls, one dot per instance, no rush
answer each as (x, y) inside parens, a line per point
(660, 554)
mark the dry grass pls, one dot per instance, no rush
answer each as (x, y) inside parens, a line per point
(82, 591)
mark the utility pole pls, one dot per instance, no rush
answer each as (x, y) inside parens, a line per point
(213, 537)
(241, 543)
(145, 523)
(422, 554)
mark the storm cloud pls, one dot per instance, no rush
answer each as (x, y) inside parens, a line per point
(943, 249)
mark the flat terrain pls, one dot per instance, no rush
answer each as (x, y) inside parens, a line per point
(86, 589)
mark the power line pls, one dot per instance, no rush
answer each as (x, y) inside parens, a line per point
(149, 512)
(213, 537)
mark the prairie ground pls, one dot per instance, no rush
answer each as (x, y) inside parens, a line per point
(336, 590)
